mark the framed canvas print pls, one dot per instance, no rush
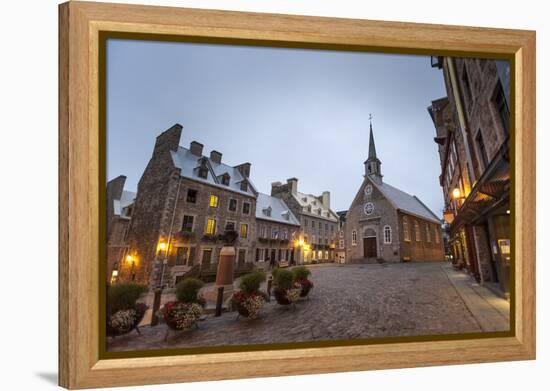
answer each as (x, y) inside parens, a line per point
(246, 195)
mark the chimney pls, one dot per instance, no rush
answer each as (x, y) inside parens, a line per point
(292, 185)
(244, 169)
(216, 157)
(168, 140)
(196, 148)
(325, 199)
(275, 188)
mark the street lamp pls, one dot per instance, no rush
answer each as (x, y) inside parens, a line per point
(456, 193)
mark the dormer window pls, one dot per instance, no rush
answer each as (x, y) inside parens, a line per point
(319, 211)
(304, 199)
(285, 215)
(244, 186)
(309, 208)
(203, 172)
(225, 179)
(267, 211)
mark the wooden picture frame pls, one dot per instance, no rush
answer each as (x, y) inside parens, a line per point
(80, 167)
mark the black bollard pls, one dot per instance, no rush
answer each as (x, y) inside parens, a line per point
(269, 282)
(219, 301)
(156, 307)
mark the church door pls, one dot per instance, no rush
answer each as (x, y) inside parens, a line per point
(369, 247)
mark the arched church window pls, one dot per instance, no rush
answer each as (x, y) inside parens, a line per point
(387, 234)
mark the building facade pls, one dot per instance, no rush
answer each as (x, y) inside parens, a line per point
(119, 211)
(384, 223)
(188, 204)
(316, 240)
(277, 229)
(473, 135)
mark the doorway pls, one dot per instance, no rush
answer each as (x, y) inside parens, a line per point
(369, 247)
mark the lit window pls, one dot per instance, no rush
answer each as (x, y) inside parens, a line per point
(213, 201)
(387, 234)
(354, 238)
(406, 233)
(210, 227)
(244, 231)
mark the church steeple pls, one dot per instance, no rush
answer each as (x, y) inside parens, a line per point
(372, 164)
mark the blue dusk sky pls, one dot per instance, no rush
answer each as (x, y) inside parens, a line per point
(289, 112)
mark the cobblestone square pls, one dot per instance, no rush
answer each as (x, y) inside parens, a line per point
(348, 302)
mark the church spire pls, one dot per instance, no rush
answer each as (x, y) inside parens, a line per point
(372, 164)
(372, 147)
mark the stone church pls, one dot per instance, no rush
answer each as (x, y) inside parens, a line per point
(384, 223)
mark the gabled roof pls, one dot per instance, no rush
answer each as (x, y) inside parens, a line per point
(309, 200)
(280, 212)
(405, 202)
(188, 164)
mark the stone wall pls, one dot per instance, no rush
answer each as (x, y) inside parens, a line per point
(424, 249)
(152, 212)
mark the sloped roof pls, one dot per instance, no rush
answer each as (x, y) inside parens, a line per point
(306, 200)
(407, 203)
(126, 199)
(188, 164)
(278, 210)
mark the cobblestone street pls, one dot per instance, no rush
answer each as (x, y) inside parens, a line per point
(348, 302)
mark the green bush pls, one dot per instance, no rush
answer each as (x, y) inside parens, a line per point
(275, 271)
(124, 296)
(187, 290)
(301, 272)
(283, 279)
(251, 282)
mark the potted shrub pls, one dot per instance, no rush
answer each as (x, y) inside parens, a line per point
(286, 290)
(249, 300)
(123, 312)
(301, 274)
(184, 313)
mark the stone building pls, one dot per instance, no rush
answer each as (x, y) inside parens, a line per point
(384, 223)
(119, 211)
(473, 135)
(340, 252)
(186, 202)
(318, 223)
(276, 229)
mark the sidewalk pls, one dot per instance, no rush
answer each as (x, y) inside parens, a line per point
(491, 312)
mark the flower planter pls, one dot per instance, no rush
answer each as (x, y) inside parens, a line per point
(306, 286)
(124, 321)
(249, 305)
(287, 296)
(181, 316)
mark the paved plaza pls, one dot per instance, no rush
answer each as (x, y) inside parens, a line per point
(348, 302)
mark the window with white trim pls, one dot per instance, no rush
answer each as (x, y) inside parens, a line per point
(354, 238)
(417, 231)
(387, 234)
